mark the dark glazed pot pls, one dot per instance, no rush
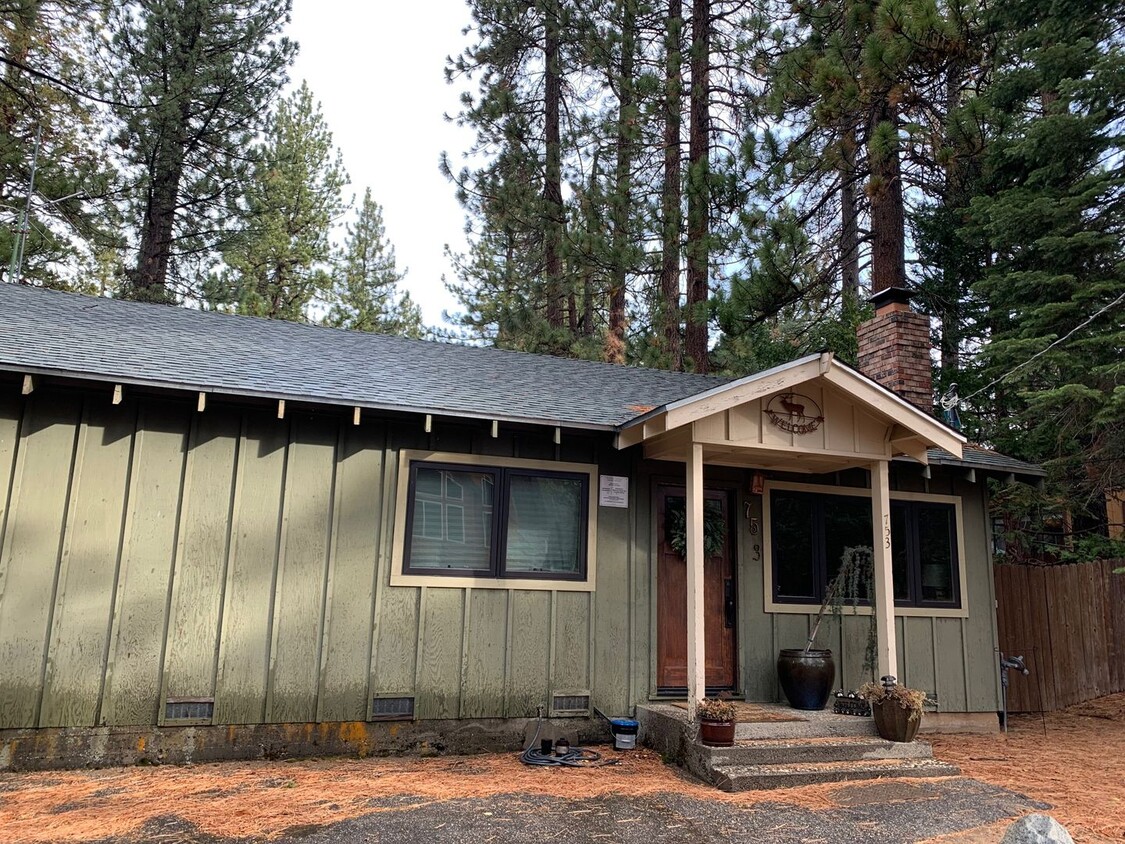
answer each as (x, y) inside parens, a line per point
(894, 723)
(717, 733)
(806, 678)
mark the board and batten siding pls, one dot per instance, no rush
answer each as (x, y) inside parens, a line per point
(954, 659)
(149, 551)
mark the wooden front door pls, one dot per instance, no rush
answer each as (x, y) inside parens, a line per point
(671, 603)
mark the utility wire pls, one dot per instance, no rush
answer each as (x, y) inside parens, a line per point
(1042, 352)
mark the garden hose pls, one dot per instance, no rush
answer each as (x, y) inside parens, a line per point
(576, 757)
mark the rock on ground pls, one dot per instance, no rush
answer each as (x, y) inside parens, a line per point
(1037, 829)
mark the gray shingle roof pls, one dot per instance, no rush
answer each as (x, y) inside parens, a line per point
(986, 460)
(44, 331)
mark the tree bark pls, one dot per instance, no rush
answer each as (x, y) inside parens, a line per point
(623, 171)
(695, 335)
(552, 182)
(888, 226)
(150, 276)
(849, 221)
(671, 196)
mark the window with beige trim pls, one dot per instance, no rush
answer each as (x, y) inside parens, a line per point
(484, 521)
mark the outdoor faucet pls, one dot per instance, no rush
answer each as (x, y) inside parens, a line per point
(1008, 663)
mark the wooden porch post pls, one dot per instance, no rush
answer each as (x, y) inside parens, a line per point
(696, 677)
(884, 582)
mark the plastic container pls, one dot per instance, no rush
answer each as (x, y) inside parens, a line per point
(624, 733)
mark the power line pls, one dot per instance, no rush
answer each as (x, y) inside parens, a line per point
(1042, 352)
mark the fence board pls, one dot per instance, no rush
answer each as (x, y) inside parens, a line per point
(1043, 681)
(1068, 622)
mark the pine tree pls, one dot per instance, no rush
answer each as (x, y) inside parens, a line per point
(194, 79)
(280, 263)
(521, 60)
(1051, 212)
(365, 287)
(49, 117)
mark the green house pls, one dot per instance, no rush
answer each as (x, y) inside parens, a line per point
(224, 536)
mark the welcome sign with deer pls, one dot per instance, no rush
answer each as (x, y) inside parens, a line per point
(794, 412)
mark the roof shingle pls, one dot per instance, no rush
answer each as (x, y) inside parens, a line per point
(136, 343)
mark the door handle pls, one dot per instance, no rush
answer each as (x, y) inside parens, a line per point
(728, 602)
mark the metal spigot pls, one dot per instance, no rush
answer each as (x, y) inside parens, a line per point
(1009, 663)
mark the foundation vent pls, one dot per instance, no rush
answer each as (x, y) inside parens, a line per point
(193, 709)
(563, 705)
(392, 708)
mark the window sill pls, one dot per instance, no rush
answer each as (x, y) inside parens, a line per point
(900, 612)
(511, 583)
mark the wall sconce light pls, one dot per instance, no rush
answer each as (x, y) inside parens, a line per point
(757, 483)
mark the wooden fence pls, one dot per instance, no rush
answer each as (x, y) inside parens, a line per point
(1068, 623)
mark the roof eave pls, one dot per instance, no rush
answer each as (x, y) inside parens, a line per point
(212, 389)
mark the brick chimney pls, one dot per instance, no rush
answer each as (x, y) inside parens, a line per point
(894, 348)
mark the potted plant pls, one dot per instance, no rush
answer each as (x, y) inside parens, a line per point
(716, 722)
(897, 710)
(807, 674)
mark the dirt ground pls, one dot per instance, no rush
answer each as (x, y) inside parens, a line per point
(1074, 760)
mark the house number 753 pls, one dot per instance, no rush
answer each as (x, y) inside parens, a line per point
(886, 531)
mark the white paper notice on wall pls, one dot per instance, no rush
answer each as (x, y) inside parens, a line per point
(613, 491)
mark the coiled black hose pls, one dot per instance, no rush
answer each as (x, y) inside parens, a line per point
(576, 757)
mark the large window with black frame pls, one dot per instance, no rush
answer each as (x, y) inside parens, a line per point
(496, 522)
(809, 532)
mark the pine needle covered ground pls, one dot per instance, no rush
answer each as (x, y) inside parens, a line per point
(1074, 760)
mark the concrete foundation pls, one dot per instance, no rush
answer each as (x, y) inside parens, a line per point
(103, 747)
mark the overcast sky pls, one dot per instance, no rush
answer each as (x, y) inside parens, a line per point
(377, 69)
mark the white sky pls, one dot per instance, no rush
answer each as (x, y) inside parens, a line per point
(377, 68)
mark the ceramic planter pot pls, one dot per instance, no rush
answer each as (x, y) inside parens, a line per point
(894, 723)
(717, 733)
(806, 678)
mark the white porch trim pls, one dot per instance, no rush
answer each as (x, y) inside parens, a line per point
(696, 661)
(886, 646)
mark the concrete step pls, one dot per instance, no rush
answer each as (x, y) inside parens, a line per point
(835, 749)
(756, 777)
(811, 725)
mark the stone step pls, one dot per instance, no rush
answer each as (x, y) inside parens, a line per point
(836, 749)
(756, 777)
(810, 726)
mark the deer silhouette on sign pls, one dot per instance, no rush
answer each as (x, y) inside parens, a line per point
(786, 412)
(792, 407)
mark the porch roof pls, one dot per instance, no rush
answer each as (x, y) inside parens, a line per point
(903, 428)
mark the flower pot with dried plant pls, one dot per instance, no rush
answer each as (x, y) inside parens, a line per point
(716, 722)
(897, 710)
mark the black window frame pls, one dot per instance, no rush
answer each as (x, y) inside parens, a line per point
(498, 538)
(911, 509)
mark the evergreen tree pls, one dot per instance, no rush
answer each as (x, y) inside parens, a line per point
(49, 118)
(194, 78)
(1051, 212)
(365, 288)
(280, 263)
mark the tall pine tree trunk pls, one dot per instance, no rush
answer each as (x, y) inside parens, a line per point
(671, 194)
(623, 171)
(888, 227)
(849, 221)
(552, 184)
(150, 276)
(695, 335)
(953, 196)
